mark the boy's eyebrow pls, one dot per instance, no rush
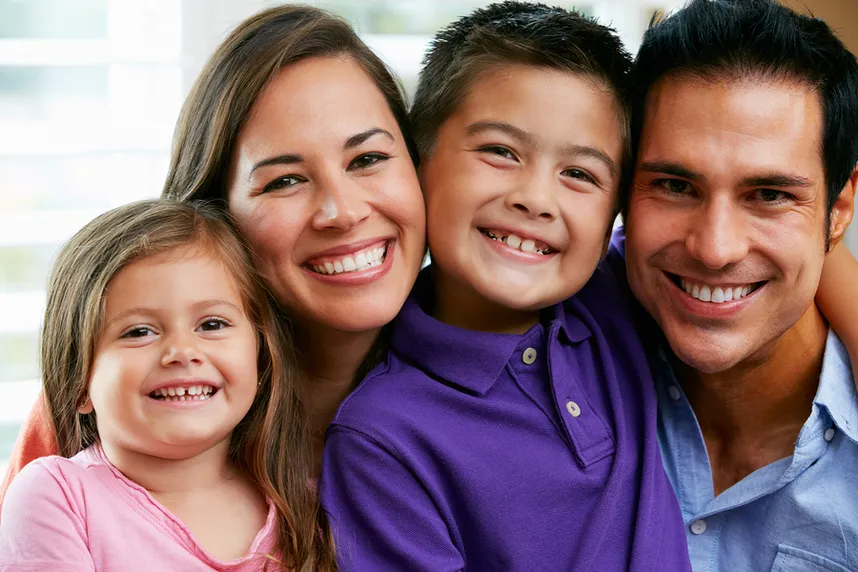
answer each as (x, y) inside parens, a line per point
(527, 138)
(511, 130)
(585, 151)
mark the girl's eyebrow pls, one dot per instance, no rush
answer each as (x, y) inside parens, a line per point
(152, 312)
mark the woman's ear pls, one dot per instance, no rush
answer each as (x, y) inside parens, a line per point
(86, 407)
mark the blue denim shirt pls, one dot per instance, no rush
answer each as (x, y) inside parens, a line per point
(798, 514)
(505, 453)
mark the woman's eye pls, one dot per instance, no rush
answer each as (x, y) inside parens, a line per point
(367, 160)
(579, 174)
(499, 151)
(673, 186)
(213, 324)
(137, 332)
(281, 183)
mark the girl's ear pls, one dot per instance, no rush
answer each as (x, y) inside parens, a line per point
(86, 408)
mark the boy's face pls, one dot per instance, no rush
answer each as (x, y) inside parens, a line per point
(522, 185)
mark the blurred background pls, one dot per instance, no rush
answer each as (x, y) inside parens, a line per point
(90, 91)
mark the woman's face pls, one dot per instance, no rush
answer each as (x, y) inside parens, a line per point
(323, 188)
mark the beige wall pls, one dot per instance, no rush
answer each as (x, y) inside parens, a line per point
(841, 15)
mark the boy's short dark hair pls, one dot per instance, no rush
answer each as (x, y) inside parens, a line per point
(759, 40)
(510, 33)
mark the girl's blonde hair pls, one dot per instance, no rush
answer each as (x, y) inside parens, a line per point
(271, 444)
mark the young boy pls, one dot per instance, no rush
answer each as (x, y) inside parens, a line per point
(512, 427)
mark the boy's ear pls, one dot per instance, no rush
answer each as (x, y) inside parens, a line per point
(843, 210)
(607, 242)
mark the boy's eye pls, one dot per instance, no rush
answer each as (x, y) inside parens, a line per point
(284, 182)
(499, 151)
(213, 324)
(367, 160)
(579, 174)
(673, 186)
(137, 332)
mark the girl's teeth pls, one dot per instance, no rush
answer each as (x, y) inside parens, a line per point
(513, 241)
(360, 261)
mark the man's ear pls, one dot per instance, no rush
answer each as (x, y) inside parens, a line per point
(844, 208)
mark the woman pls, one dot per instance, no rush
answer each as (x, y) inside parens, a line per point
(300, 131)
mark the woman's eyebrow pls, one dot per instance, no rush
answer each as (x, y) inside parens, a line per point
(287, 159)
(359, 138)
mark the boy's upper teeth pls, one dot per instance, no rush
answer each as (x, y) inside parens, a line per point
(715, 294)
(360, 260)
(514, 241)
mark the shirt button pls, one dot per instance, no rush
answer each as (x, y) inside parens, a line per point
(673, 392)
(529, 356)
(573, 408)
(698, 527)
(829, 434)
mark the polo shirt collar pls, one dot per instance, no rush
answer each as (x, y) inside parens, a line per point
(471, 360)
(836, 392)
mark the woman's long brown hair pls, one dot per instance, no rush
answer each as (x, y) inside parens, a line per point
(218, 104)
(271, 444)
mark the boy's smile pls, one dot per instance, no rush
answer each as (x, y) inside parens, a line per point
(520, 192)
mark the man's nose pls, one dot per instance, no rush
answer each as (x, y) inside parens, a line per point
(718, 235)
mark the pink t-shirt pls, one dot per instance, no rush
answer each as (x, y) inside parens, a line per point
(82, 514)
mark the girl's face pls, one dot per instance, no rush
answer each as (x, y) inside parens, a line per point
(322, 186)
(175, 362)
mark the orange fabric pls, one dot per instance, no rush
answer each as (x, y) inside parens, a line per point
(35, 440)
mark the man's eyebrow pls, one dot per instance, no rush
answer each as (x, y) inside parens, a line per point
(777, 180)
(287, 159)
(668, 168)
(359, 138)
(516, 133)
(585, 151)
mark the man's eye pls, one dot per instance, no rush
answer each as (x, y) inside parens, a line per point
(281, 183)
(213, 324)
(770, 195)
(673, 186)
(137, 332)
(499, 151)
(367, 160)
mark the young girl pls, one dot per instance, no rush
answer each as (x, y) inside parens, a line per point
(182, 439)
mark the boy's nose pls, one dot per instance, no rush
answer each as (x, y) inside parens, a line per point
(536, 200)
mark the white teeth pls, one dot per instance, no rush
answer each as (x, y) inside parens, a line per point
(513, 241)
(191, 393)
(360, 261)
(714, 294)
(171, 391)
(528, 246)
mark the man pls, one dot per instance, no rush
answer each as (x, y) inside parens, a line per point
(745, 179)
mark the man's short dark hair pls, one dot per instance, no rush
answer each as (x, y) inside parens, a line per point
(759, 40)
(510, 33)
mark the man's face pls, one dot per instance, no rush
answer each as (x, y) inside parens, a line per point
(726, 227)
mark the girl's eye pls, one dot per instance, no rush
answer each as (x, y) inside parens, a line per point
(367, 160)
(213, 324)
(579, 174)
(770, 195)
(137, 332)
(499, 151)
(673, 186)
(282, 183)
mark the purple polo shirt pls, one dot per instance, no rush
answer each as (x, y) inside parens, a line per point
(491, 452)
